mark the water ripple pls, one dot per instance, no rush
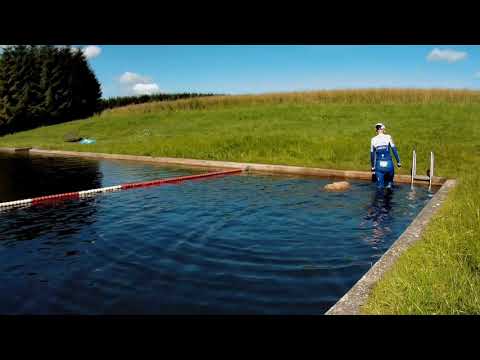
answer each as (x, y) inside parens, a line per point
(240, 244)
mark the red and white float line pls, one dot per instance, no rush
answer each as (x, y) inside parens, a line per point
(86, 193)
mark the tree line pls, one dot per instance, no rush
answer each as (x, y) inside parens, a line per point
(45, 85)
(119, 101)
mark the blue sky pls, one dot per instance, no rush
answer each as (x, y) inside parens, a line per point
(135, 69)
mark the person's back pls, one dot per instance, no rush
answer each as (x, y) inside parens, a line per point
(382, 144)
(380, 157)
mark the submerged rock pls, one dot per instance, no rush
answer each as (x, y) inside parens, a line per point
(337, 186)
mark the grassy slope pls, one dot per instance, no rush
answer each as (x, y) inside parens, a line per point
(438, 275)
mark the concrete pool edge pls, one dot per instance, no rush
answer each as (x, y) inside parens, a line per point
(351, 302)
(285, 169)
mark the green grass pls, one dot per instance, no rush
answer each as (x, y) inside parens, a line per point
(440, 274)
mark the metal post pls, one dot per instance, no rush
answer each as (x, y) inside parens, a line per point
(414, 166)
(431, 168)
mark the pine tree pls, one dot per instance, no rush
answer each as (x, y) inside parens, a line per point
(47, 62)
(85, 86)
(5, 61)
(41, 85)
(13, 101)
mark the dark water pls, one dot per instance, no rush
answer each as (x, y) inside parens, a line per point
(248, 244)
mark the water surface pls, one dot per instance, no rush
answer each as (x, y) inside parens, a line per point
(241, 244)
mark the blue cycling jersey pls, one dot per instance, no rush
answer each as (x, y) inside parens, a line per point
(380, 149)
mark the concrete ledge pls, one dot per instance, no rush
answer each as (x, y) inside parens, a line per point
(285, 169)
(351, 302)
(14, 150)
(25, 149)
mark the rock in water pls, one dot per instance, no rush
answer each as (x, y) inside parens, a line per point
(337, 186)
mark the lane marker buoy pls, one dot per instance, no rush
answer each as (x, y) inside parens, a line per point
(86, 193)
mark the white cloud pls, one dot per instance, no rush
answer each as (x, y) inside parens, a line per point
(137, 84)
(91, 51)
(146, 89)
(447, 55)
(130, 78)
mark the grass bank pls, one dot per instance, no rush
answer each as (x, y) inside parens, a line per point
(331, 130)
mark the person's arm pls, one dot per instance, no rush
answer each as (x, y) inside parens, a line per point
(372, 155)
(395, 152)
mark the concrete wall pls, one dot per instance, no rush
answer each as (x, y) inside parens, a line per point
(327, 173)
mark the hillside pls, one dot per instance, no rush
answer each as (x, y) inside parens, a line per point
(329, 129)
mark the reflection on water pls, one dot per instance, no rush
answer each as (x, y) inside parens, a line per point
(59, 219)
(385, 205)
(379, 215)
(23, 176)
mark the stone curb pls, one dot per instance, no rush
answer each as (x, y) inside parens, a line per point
(285, 169)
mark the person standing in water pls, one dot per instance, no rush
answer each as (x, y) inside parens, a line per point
(380, 158)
